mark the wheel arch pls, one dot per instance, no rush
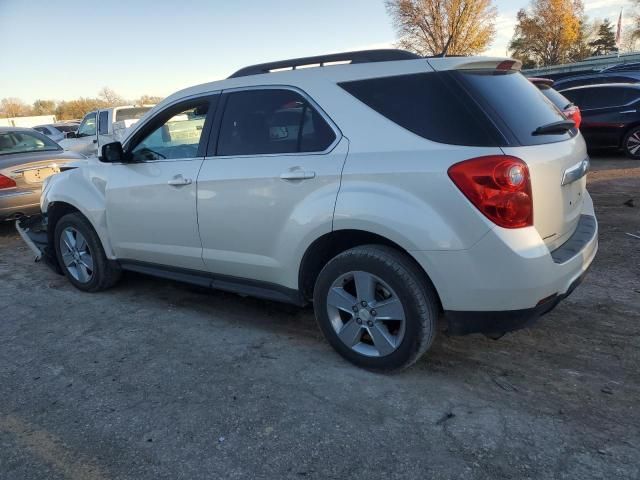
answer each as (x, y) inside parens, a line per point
(326, 247)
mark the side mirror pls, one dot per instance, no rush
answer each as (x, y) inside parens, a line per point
(112, 153)
(71, 135)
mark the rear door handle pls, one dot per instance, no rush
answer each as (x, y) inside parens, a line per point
(179, 181)
(298, 175)
(629, 111)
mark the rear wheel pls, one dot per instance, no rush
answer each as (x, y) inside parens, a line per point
(81, 256)
(631, 143)
(375, 307)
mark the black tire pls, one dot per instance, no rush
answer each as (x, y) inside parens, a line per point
(632, 141)
(105, 273)
(412, 287)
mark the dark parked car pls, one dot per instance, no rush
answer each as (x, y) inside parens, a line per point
(623, 67)
(571, 111)
(610, 115)
(596, 79)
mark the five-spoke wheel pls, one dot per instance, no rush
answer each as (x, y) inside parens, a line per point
(376, 307)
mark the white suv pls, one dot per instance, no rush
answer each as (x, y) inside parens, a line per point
(389, 191)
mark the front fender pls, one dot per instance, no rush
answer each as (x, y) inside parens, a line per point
(84, 189)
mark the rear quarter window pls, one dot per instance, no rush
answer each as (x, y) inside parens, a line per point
(429, 106)
(514, 102)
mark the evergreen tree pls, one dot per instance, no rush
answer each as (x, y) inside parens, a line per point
(605, 41)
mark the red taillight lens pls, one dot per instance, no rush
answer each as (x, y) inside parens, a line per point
(6, 182)
(499, 186)
(573, 113)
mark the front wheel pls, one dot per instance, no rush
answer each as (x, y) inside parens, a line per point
(631, 143)
(376, 307)
(81, 256)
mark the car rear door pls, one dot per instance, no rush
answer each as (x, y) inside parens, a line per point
(151, 199)
(268, 186)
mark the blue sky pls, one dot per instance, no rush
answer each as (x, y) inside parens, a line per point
(66, 49)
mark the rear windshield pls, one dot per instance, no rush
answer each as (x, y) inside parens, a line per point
(556, 97)
(514, 101)
(131, 113)
(23, 141)
(67, 128)
(429, 106)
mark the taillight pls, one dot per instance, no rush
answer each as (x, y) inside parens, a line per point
(499, 186)
(6, 182)
(573, 113)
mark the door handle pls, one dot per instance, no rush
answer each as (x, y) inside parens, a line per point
(179, 181)
(298, 175)
(629, 111)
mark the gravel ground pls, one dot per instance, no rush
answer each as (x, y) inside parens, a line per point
(155, 380)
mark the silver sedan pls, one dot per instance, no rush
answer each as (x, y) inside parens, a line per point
(27, 157)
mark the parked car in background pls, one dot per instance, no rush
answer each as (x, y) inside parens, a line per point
(571, 111)
(101, 127)
(27, 158)
(622, 67)
(57, 131)
(387, 191)
(610, 115)
(596, 79)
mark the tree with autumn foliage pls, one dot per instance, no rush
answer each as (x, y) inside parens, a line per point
(548, 30)
(429, 27)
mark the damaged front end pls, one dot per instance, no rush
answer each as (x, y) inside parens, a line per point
(33, 231)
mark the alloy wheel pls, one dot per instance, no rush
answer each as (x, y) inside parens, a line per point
(76, 255)
(633, 143)
(366, 314)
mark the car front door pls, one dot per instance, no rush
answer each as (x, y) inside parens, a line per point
(270, 186)
(151, 199)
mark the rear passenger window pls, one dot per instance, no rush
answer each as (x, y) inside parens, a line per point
(103, 123)
(603, 97)
(272, 121)
(425, 105)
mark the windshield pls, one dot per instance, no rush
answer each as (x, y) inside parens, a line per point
(25, 141)
(131, 113)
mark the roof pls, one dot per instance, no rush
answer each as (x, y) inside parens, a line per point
(602, 85)
(15, 129)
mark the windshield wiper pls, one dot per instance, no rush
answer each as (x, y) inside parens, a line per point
(555, 128)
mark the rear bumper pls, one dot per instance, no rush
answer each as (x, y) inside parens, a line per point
(499, 322)
(509, 278)
(14, 203)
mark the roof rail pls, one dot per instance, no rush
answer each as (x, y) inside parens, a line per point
(363, 56)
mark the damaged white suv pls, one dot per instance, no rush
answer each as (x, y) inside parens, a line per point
(388, 189)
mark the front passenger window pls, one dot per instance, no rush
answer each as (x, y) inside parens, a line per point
(177, 137)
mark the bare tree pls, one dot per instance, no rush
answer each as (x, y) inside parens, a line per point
(148, 100)
(110, 97)
(431, 27)
(14, 107)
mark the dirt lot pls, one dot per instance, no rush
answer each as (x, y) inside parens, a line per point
(155, 380)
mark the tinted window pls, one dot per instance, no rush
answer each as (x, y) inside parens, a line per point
(556, 98)
(103, 123)
(67, 128)
(427, 106)
(272, 121)
(42, 130)
(602, 97)
(24, 141)
(131, 113)
(514, 100)
(175, 134)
